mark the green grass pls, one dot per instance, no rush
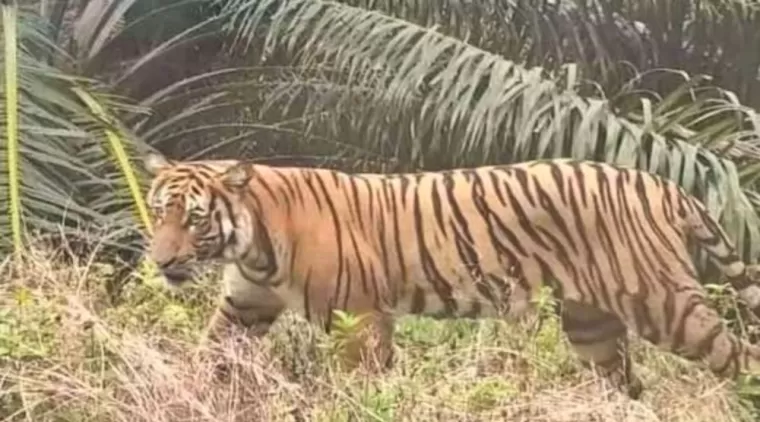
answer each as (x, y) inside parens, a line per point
(67, 355)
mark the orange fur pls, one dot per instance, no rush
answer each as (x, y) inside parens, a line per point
(461, 243)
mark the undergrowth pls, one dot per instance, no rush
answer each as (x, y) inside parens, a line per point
(67, 354)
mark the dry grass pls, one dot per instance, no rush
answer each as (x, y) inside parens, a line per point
(66, 355)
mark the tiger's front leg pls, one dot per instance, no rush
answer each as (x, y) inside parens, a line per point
(244, 307)
(367, 343)
(233, 313)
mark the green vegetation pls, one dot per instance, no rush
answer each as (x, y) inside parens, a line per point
(381, 85)
(371, 85)
(65, 355)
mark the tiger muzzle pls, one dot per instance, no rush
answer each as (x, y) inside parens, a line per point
(175, 272)
(177, 275)
(169, 251)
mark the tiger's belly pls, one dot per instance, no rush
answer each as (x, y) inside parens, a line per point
(460, 296)
(493, 297)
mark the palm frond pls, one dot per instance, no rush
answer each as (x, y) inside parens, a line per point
(55, 127)
(607, 39)
(464, 105)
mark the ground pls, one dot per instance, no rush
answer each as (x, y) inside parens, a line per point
(67, 354)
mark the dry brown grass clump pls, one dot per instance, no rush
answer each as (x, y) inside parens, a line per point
(67, 355)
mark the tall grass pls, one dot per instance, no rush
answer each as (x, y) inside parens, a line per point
(66, 355)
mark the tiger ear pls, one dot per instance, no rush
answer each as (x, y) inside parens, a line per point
(155, 162)
(237, 176)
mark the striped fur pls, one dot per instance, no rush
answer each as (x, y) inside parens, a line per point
(461, 243)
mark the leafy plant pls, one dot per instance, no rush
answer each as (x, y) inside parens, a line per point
(73, 163)
(44, 167)
(345, 328)
(455, 103)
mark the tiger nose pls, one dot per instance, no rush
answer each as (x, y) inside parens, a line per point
(164, 261)
(174, 272)
(165, 264)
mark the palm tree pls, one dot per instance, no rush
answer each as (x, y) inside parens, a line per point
(45, 172)
(77, 134)
(395, 84)
(440, 84)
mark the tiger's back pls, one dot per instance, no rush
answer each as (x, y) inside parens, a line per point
(479, 242)
(456, 242)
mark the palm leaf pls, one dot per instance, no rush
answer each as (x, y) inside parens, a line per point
(54, 129)
(605, 38)
(465, 105)
(118, 149)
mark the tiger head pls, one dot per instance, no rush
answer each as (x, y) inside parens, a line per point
(198, 214)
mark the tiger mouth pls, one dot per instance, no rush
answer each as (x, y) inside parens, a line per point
(177, 276)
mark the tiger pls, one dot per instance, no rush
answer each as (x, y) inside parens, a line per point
(609, 242)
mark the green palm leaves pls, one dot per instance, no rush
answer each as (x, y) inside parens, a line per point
(453, 101)
(410, 82)
(51, 175)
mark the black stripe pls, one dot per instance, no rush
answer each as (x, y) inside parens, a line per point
(580, 178)
(643, 195)
(507, 257)
(338, 239)
(358, 260)
(583, 233)
(435, 198)
(394, 215)
(357, 202)
(308, 176)
(522, 180)
(440, 286)
(496, 184)
(526, 224)
(547, 202)
(463, 239)
(559, 180)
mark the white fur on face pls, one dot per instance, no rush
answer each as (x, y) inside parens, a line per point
(192, 202)
(243, 236)
(234, 283)
(156, 199)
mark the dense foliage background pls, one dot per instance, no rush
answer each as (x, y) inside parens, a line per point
(381, 85)
(88, 86)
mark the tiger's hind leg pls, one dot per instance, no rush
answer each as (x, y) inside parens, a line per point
(697, 332)
(681, 321)
(600, 340)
